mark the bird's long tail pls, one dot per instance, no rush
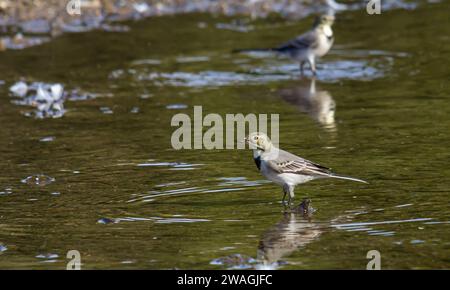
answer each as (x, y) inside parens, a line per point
(253, 50)
(348, 178)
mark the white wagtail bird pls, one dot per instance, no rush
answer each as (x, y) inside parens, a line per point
(284, 168)
(308, 46)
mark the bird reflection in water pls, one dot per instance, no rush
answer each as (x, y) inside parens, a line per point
(319, 104)
(294, 231)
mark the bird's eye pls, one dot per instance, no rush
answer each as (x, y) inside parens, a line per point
(256, 137)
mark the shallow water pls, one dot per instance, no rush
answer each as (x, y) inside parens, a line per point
(104, 180)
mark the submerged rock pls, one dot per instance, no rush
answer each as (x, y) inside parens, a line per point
(235, 262)
(19, 89)
(38, 180)
(105, 221)
(52, 18)
(47, 99)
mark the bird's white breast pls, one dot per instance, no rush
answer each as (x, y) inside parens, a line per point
(324, 46)
(327, 31)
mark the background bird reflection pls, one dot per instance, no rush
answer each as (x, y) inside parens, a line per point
(318, 104)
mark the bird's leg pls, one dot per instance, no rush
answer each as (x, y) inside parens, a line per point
(291, 202)
(302, 63)
(291, 196)
(284, 199)
(285, 191)
(312, 64)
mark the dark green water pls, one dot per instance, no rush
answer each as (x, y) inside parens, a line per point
(387, 76)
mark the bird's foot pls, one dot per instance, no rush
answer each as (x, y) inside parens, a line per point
(288, 206)
(305, 208)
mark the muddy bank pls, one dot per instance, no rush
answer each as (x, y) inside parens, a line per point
(27, 23)
(54, 14)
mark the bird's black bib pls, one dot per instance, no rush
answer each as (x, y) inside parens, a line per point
(258, 162)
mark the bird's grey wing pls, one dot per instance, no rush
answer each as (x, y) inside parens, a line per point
(307, 40)
(289, 163)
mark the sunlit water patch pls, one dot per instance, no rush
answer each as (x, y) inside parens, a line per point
(369, 227)
(236, 25)
(19, 41)
(3, 248)
(240, 181)
(47, 139)
(176, 106)
(170, 165)
(6, 191)
(48, 257)
(221, 185)
(187, 59)
(157, 220)
(207, 78)
(350, 64)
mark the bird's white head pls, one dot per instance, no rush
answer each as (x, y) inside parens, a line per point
(259, 141)
(323, 24)
(324, 20)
